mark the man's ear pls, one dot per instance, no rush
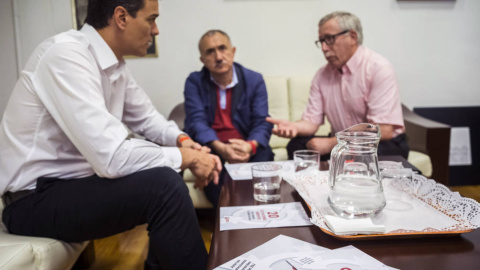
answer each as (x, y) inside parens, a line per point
(234, 49)
(119, 17)
(354, 36)
(201, 60)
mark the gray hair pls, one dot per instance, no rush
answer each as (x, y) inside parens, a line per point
(210, 33)
(346, 21)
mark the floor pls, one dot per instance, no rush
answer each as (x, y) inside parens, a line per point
(128, 250)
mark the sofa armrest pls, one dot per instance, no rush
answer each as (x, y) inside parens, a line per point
(429, 137)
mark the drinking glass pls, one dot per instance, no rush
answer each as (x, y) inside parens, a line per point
(266, 182)
(387, 164)
(306, 160)
(401, 180)
(355, 168)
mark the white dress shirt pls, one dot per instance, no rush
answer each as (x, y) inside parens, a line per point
(67, 114)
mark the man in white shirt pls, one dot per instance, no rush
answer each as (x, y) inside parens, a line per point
(68, 168)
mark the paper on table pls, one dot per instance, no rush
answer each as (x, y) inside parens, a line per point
(348, 257)
(275, 254)
(283, 252)
(243, 171)
(342, 226)
(263, 216)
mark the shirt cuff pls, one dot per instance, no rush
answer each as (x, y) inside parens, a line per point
(173, 157)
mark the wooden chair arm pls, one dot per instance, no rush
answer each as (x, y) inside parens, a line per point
(429, 137)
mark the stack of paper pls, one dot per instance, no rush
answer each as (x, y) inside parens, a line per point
(283, 252)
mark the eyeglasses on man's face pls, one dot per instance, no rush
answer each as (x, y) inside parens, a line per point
(329, 39)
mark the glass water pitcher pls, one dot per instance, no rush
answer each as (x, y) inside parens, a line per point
(355, 185)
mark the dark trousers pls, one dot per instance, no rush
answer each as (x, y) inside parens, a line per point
(94, 207)
(395, 146)
(212, 191)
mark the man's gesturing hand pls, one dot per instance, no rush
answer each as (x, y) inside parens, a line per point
(284, 128)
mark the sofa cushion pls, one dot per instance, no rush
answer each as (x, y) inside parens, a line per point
(24, 252)
(280, 154)
(198, 196)
(421, 161)
(277, 104)
(18, 256)
(299, 91)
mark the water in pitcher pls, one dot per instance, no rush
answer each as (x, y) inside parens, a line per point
(357, 196)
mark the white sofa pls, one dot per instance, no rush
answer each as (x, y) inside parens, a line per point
(25, 253)
(287, 98)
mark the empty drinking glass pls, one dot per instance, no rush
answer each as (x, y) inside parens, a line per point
(401, 180)
(306, 160)
(388, 164)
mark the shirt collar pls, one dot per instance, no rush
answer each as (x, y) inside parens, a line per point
(354, 62)
(104, 54)
(232, 84)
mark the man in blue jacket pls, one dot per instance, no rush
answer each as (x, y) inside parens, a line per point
(226, 105)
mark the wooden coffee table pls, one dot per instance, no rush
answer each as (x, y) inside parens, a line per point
(438, 252)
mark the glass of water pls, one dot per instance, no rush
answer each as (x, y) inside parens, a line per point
(308, 160)
(266, 182)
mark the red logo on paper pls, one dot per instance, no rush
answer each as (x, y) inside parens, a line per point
(273, 214)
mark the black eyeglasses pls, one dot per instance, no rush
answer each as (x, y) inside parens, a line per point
(329, 39)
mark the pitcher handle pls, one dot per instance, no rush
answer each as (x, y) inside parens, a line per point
(336, 153)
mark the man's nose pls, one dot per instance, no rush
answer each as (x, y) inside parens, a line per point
(155, 30)
(218, 56)
(325, 47)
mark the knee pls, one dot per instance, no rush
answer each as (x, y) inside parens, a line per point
(164, 180)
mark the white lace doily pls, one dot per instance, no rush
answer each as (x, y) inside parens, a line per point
(432, 207)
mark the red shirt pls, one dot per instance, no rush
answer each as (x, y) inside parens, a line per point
(222, 124)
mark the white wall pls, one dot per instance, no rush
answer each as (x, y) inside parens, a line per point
(37, 20)
(8, 64)
(434, 45)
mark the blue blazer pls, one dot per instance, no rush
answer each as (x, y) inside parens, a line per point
(249, 106)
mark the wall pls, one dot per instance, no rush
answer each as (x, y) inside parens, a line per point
(434, 45)
(8, 64)
(24, 24)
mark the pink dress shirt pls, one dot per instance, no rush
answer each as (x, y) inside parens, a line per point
(365, 91)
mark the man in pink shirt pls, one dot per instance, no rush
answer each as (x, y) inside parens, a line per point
(356, 86)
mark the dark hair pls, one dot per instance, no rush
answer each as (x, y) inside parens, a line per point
(100, 11)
